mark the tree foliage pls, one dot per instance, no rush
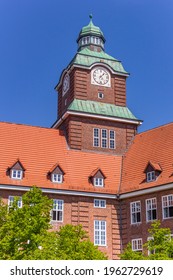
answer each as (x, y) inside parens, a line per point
(158, 247)
(25, 233)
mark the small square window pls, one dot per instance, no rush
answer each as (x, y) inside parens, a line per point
(16, 174)
(100, 95)
(99, 203)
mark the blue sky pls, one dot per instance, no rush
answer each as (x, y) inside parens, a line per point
(38, 40)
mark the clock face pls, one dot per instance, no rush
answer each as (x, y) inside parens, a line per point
(66, 84)
(100, 76)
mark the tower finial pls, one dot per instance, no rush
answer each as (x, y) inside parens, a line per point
(90, 16)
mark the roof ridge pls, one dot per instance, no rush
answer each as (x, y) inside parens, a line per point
(21, 124)
(154, 128)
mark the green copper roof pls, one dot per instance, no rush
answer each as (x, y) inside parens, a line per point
(99, 108)
(86, 57)
(91, 29)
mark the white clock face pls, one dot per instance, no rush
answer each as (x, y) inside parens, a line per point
(100, 76)
(66, 84)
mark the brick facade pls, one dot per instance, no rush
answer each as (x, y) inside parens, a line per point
(68, 149)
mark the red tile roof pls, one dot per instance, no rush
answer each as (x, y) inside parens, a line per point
(155, 146)
(39, 149)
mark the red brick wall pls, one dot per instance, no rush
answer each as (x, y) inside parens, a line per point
(81, 88)
(80, 133)
(81, 210)
(134, 231)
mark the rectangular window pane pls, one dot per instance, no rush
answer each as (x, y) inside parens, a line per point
(104, 138)
(112, 139)
(57, 212)
(99, 203)
(100, 233)
(167, 204)
(135, 212)
(96, 136)
(151, 209)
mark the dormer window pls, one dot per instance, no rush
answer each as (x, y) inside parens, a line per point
(56, 174)
(16, 171)
(151, 176)
(98, 178)
(16, 174)
(56, 178)
(98, 182)
(152, 171)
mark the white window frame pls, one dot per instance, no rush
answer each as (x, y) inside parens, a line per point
(98, 182)
(58, 208)
(11, 201)
(151, 176)
(167, 203)
(104, 138)
(112, 140)
(135, 208)
(99, 203)
(56, 178)
(100, 233)
(96, 138)
(151, 205)
(16, 174)
(137, 244)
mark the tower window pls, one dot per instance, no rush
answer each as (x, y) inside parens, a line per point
(96, 139)
(100, 95)
(111, 139)
(104, 138)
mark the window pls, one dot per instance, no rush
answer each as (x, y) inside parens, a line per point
(104, 138)
(96, 137)
(135, 212)
(56, 178)
(100, 95)
(151, 209)
(99, 203)
(167, 204)
(107, 138)
(11, 201)
(16, 174)
(137, 244)
(111, 139)
(98, 182)
(57, 211)
(99, 233)
(151, 176)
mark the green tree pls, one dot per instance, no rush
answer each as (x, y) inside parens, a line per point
(73, 244)
(25, 233)
(160, 245)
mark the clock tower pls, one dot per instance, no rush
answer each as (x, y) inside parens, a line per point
(92, 108)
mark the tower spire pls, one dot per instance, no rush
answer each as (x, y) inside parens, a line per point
(91, 36)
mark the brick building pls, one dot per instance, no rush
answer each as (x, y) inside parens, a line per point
(92, 162)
